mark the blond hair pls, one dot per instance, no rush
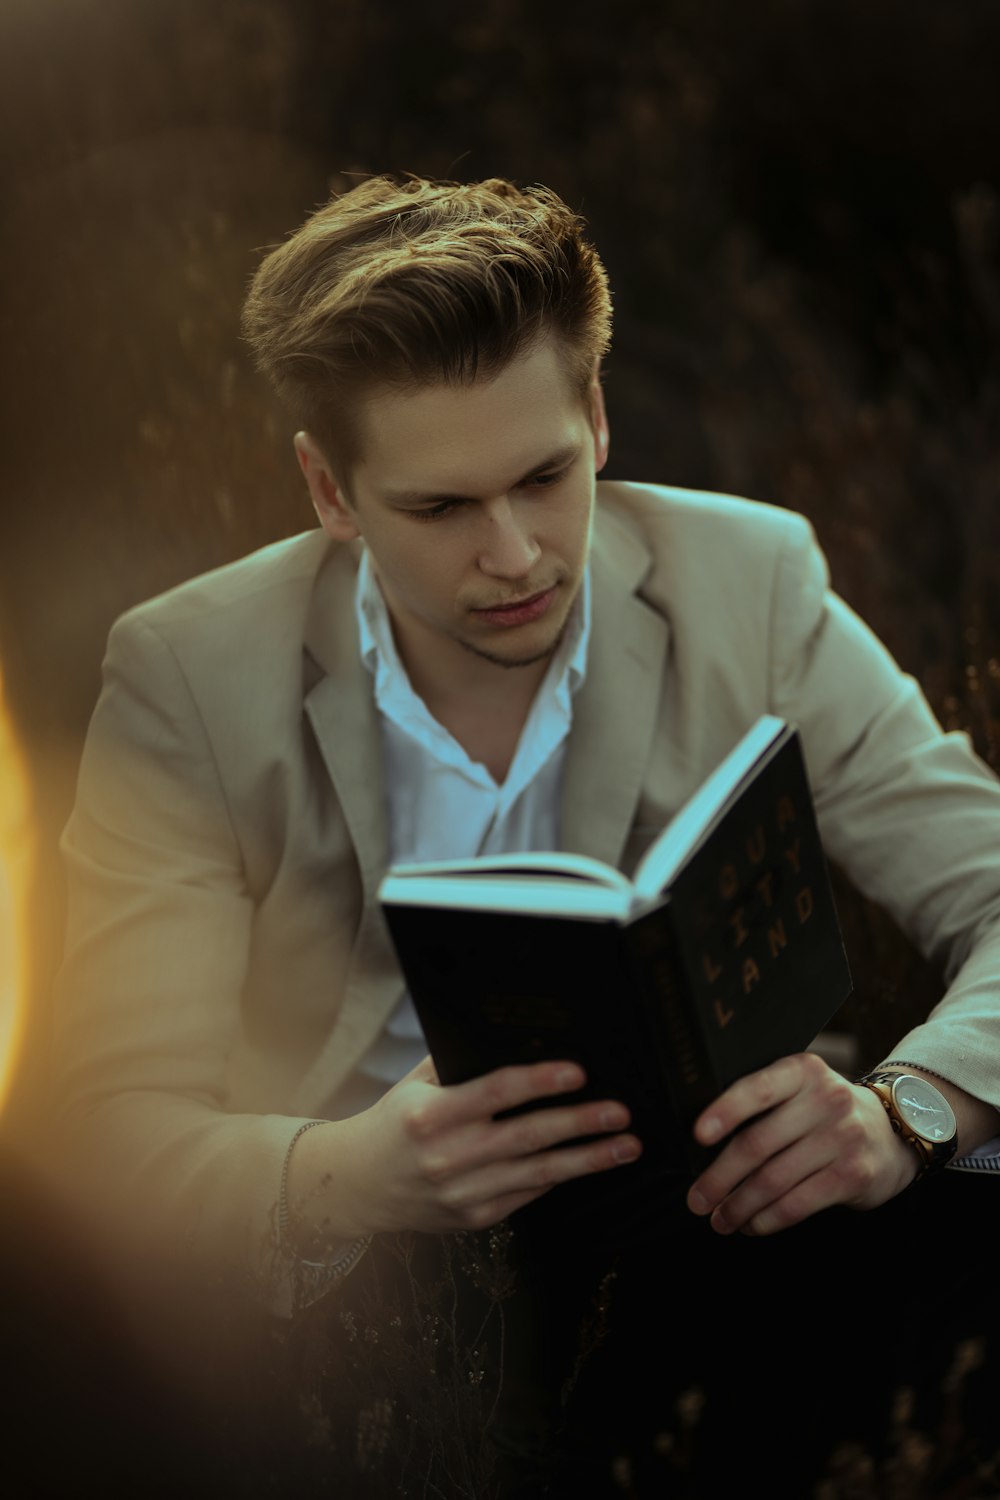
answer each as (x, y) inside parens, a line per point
(403, 282)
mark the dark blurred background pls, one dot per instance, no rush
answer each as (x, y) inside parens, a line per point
(798, 206)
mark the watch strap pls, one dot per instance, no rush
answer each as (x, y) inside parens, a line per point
(933, 1154)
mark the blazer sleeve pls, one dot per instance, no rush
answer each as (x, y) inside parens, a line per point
(909, 812)
(148, 999)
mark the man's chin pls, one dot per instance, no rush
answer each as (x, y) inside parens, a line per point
(512, 660)
(527, 652)
(527, 656)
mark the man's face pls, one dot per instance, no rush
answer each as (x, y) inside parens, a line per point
(475, 503)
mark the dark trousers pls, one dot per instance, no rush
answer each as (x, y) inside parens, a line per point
(611, 1344)
(687, 1363)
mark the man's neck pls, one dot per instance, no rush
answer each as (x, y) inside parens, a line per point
(484, 707)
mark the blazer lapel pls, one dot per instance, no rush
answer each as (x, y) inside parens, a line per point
(340, 706)
(614, 719)
(615, 712)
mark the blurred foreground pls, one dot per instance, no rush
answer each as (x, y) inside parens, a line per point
(800, 211)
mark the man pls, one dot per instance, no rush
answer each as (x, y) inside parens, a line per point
(469, 655)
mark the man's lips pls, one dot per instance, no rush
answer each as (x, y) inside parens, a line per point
(521, 611)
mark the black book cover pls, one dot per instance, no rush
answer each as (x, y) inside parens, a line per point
(739, 962)
(744, 961)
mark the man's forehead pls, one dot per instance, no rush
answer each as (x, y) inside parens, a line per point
(468, 488)
(460, 438)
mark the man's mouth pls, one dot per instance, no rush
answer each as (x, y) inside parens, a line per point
(521, 611)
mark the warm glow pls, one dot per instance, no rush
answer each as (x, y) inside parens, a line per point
(16, 853)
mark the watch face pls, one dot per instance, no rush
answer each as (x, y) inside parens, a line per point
(924, 1108)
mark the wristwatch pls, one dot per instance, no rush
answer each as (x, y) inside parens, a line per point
(919, 1113)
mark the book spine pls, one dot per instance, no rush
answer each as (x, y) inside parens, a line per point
(672, 1011)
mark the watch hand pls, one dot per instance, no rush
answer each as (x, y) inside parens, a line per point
(927, 1109)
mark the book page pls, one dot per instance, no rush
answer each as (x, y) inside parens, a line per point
(555, 863)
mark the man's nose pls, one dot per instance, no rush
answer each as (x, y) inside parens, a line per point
(508, 549)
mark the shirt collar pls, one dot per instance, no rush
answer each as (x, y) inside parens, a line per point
(393, 691)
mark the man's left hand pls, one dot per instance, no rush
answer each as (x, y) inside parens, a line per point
(815, 1140)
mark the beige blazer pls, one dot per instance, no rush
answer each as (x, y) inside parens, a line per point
(227, 965)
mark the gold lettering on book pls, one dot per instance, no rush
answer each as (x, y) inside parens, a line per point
(756, 845)
(751, 975)
(777, 937)
(759, 897)
(793, 854)
(722, 1015)
(786, 812)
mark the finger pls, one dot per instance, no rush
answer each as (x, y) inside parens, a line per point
(863, 1169)
(454, 1153)
(480, 1143)
(779, 1176)
(822, 1190)
(765, 1137)
(543, 1128)
(481, 1197)
(750, 1096)
(482, 1098)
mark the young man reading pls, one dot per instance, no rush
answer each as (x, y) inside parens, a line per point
(482, 649)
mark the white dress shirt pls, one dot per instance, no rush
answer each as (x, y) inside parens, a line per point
(443, 805)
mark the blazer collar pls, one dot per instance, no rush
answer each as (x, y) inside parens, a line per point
(614, 715)
(615, 711)
(340, 705)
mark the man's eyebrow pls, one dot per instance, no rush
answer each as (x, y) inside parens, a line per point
(558, 460)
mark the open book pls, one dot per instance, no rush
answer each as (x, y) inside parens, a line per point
(722, 954)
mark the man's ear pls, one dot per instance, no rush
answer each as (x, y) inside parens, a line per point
(335, 514)
(599, 421)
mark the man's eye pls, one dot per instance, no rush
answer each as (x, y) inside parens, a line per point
(546, 481)
(434, 512)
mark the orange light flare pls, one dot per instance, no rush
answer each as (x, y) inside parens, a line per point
(17, 852)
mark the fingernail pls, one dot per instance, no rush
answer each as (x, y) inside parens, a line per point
(569, 1078)
(626, 1150)
(697, 1203)
(710, 1129)
(614, 1117)
(719, 1224)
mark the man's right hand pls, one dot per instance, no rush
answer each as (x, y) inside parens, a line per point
(435, 1159)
